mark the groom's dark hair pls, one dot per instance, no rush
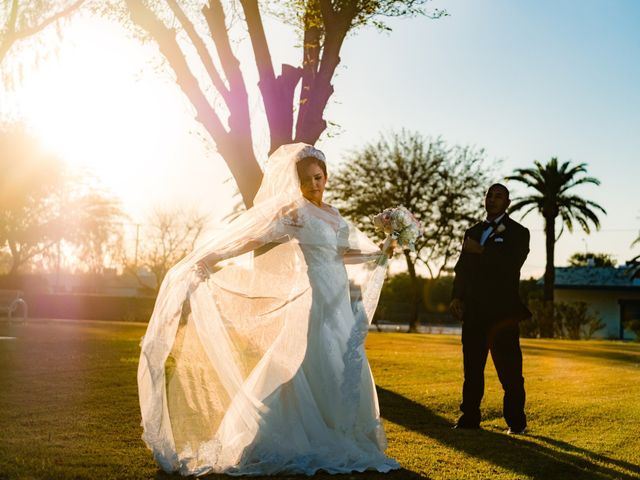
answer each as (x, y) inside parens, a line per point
(501, 187)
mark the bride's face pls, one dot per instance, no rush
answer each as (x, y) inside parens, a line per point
(312, 182)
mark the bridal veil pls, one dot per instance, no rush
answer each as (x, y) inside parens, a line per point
(215, 350)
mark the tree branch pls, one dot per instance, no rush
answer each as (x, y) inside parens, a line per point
(12, 36)
(10, 26)
(54, 18)
(239, 120)
(277, 93)
(166, 40)
(327, 12)
(258, 41)
(201, 49)
(310, 62)
(336, 25)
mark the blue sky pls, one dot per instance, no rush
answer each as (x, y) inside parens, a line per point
(526, 81)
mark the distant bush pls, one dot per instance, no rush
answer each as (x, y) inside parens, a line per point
(574, 320)
(530, 327)
(571, 320)
(633, 324)
(395, 299)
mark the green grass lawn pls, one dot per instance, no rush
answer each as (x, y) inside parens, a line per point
(69, 407)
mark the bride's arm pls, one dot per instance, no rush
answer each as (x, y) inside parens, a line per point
(276, 231)
(353, 255)
(360, 249)
(212, 259)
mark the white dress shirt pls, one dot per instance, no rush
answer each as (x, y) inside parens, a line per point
(487, 231)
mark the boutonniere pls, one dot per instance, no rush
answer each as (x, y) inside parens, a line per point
(498, 231)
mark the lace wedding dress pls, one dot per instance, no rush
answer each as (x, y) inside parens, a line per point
(263, 370)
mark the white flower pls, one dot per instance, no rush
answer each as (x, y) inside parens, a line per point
(400, 224)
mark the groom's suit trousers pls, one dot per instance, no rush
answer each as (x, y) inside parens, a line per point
(502, 340)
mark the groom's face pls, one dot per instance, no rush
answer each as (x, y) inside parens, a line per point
(496, 202)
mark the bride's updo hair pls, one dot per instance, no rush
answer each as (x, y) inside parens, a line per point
(303, 162)
(309, 155)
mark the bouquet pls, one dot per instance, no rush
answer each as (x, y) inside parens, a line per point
(401, 225)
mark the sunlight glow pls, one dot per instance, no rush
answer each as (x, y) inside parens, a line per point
(100, 105)
(89, 108)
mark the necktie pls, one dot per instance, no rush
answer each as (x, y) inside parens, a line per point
(486, 232)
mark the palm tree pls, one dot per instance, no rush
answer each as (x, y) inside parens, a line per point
(552, 198)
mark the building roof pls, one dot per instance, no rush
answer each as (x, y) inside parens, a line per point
(624, 277)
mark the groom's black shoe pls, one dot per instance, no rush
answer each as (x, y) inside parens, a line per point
(517, 431)
(464, 422)
(465, 426)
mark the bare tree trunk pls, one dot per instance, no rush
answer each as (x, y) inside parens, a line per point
(316, 86)
(277, 92)
(235, 143)
(242, 163)
(326, 25)
(546, 327)
(415, 294)
(16, 261)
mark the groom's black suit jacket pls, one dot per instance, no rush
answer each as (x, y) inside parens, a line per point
(488, 282)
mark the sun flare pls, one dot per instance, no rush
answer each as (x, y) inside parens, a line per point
(95, 107)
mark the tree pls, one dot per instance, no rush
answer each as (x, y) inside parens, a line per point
(440, 184)
(181, 31)
(30, 222)
(21, 20)
(97, 230)
(553, 184)
(43, 208)
(169, 236)
(590, 259)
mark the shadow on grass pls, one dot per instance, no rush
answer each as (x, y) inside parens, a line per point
(401, 474)
(517, 454)
(567, 447)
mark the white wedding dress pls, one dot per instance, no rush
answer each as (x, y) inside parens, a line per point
(267, 373)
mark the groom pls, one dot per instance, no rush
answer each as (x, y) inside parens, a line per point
(486, 300)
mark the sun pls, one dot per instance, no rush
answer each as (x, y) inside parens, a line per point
(105, 103)
(96, 106)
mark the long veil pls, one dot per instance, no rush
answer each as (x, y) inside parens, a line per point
(214, 350)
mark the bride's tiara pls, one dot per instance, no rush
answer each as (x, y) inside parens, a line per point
(310, 151)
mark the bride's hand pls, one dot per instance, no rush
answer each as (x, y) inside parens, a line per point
(202, 270)
(391, 249)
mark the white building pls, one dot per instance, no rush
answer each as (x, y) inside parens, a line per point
(611, 292)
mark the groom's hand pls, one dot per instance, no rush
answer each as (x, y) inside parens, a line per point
(472, 246)
(457, 308)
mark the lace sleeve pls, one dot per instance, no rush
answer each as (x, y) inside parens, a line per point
(352, 256)
(275, 233)
(357, 247)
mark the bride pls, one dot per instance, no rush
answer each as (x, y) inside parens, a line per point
(257, 366)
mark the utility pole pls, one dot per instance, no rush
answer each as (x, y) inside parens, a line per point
(135, 261)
